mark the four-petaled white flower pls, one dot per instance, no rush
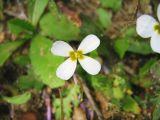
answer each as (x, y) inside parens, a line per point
(68, 67)
(147, 27)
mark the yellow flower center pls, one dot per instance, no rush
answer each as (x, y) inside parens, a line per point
(157, 28)
(74, 55)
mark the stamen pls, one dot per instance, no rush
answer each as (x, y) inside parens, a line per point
(72, 55)
(157, 28)
(80, 54)
(76, 55)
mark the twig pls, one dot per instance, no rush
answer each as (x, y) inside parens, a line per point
(87, 93)
(12, 114)
(61, 97)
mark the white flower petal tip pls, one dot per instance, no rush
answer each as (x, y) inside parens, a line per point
(145, 26)
(61, 48)
(155, 42)
(158, 12)
(66, 70)
(89, 43)
(90, 65)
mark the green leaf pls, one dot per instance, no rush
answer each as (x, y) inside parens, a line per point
(102, 83)
(130, 105)
(156, 115)
(22, 60)
(7, 49)
(140, 47)
(70, 98)
(121, 46)
(94, 54)
(30, 81)
(156, 100)
(39, 8)
(104, 17)
(20, 99)
(155, 70)
(130, 32)
(146, 67)
(17, 26)
(58, 26)
(118, 93)
(114, 4)
(44, 62)
(88, 27)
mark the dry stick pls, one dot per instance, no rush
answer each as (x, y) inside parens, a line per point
(87, 92)
(12, 114)
(61, 97)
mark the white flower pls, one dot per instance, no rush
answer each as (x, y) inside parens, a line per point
(147, 27)
(68, 67)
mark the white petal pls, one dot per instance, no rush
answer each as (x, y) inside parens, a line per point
(145, 25)
(155, 42)
(158, 12)
(91, 65)
(89, 43)
(61, 48)
(66, 70)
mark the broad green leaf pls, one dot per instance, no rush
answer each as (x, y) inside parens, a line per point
(130, 105)
(140, 47)
(114, 4)
(58, 26)
(20, 99)
(104, 17)
(44, 63)
(39, 7)
(7, 49)
(121, 46)
(17, 26)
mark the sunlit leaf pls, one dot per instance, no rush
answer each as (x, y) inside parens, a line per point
(130, 105)
(20, 99)
(118, 93)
